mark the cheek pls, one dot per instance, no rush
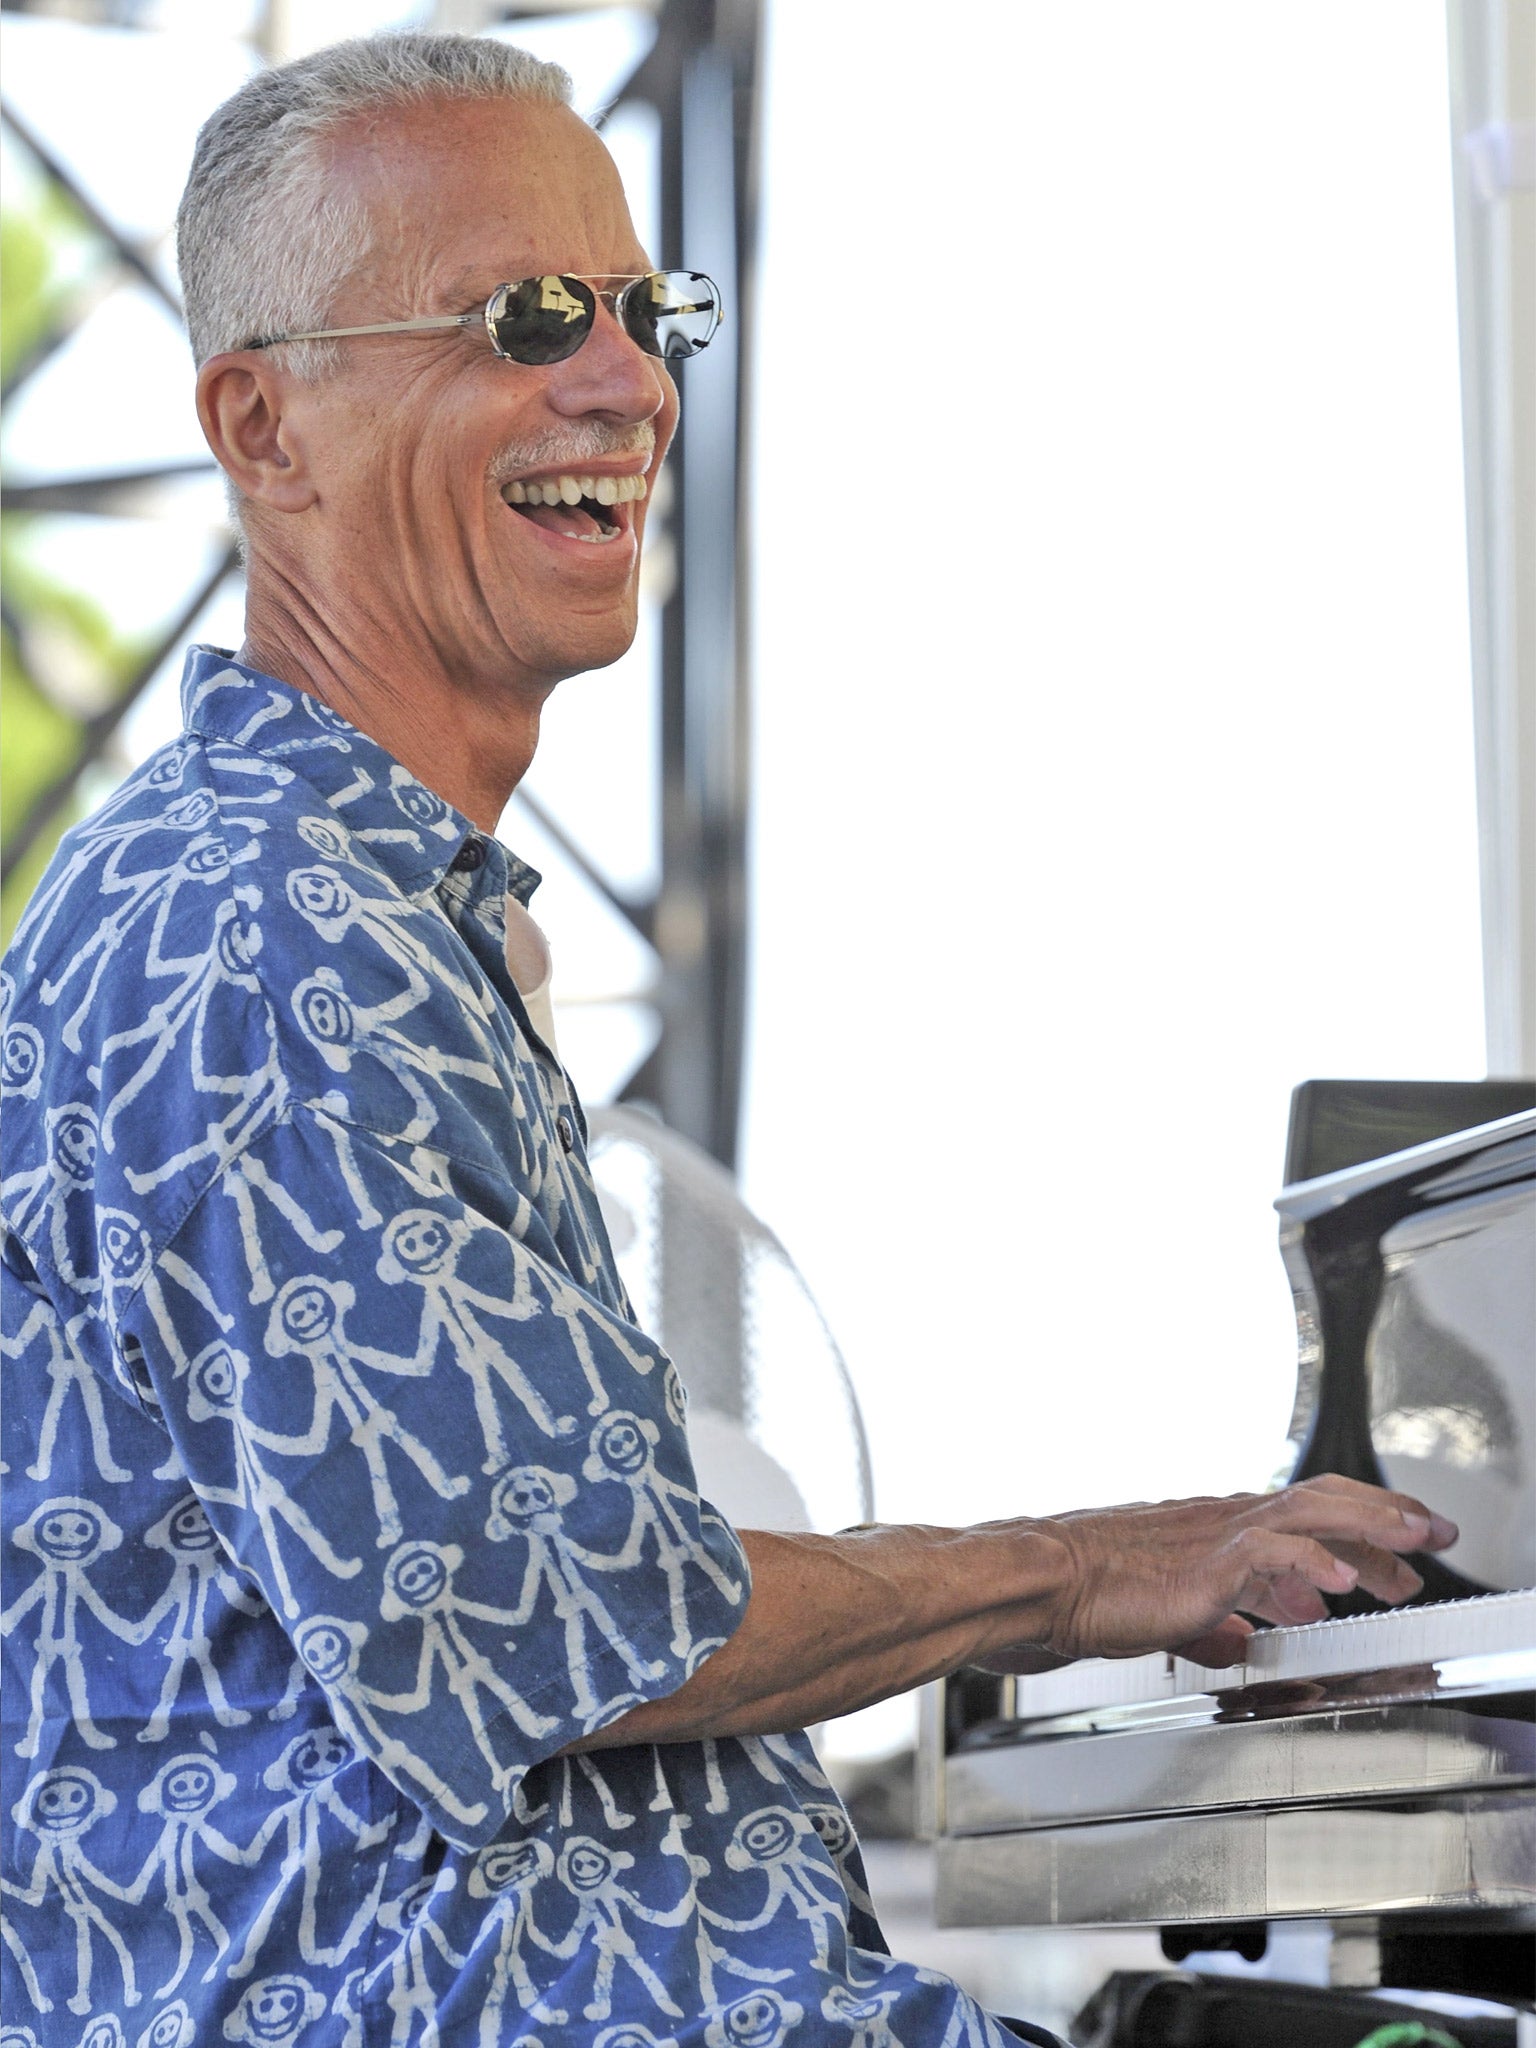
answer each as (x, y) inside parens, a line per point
(388, 449)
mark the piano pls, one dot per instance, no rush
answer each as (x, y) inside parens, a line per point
(1375, 1770)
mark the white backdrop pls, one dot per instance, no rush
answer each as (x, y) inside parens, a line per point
(1114, 750)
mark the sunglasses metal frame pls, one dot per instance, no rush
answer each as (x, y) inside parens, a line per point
(626, 281)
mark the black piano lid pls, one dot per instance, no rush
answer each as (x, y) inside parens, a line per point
(1504, 1150)
(1336, 1123)
(1418, 1358)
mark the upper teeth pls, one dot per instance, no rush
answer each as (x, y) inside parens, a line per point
(570, 490)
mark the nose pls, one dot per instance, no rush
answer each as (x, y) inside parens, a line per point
(612, 375)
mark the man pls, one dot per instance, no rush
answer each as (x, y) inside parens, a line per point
(374, 1669)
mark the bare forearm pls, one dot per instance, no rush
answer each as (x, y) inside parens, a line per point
(837, 1622)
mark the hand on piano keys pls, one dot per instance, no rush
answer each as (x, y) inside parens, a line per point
(1184, 1575)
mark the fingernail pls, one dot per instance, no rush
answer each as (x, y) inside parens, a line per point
(1419, 1525)
(1443, 1531)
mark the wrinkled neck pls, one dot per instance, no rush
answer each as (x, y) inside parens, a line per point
(468, 740)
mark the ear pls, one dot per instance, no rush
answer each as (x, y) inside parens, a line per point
(242, 407)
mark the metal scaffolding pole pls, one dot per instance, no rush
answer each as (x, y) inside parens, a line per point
(701, 79)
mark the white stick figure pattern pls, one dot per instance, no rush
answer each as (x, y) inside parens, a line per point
(22, 1054)
(16, 1948)
(834, 1830)
(307, 1770)
(67, 1535)
(57, 1192)
(60, 1807)
(105, 2031)
(172, 2027)
(245, 1179)
(308, 1321)
(97, 858)
(528, 1502)
(199, 1570)
(506, 1874)
(67, 1373)
(216, 1391)
(421, 1249)
(622, 1450)
(411, 1996)
(276, 2012)
(866, 2012)
(220, 965)
(340, 1030)
(773, 1841)
(418, 1586)
(182, 1793)
(130, 1271)
(332, 1652)
(593, 1874)
(761, 2019)
(336, 907)
(968, 2025)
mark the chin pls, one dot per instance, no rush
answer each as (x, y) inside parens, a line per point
(597, 644)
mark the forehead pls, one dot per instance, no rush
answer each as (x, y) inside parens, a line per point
(465, 194)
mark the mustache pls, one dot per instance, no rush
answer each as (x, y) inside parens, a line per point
(568, 447)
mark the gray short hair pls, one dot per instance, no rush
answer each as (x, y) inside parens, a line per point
(262, 243)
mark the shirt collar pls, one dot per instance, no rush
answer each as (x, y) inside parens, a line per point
(413, 834)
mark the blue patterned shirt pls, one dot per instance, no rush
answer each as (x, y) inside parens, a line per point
(343, 1491)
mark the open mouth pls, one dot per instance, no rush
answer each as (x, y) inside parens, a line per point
(588, 508)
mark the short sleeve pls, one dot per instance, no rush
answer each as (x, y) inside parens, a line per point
(461, 1482)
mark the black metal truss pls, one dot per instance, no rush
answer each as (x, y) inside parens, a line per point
(701, 78)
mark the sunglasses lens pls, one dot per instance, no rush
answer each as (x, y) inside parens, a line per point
(672, 313)
(542, 319)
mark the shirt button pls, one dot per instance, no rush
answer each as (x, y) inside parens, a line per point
(470, 856)
(565, 1132)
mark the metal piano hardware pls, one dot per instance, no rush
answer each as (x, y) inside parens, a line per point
(1241, 1795)
(1375, 1769)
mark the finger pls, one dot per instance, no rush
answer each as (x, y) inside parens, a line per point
(1287, 1601)
(1370, 1515)
(1284, 1576)
(1224, 1645)
(1381, 1573)
(1366, 1514)
(1441, 1532)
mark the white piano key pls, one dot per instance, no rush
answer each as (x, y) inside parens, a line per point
(1484, 1626)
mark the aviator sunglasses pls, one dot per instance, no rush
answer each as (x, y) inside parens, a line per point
(538, 320)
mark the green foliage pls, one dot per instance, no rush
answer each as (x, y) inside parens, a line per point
(41, 737)
(39, 742)
(44, 250)
(61, 610)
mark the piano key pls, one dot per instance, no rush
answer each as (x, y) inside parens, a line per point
(1484, 1626)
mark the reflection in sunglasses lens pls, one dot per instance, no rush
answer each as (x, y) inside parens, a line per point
(671, 313)
(544, 319)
